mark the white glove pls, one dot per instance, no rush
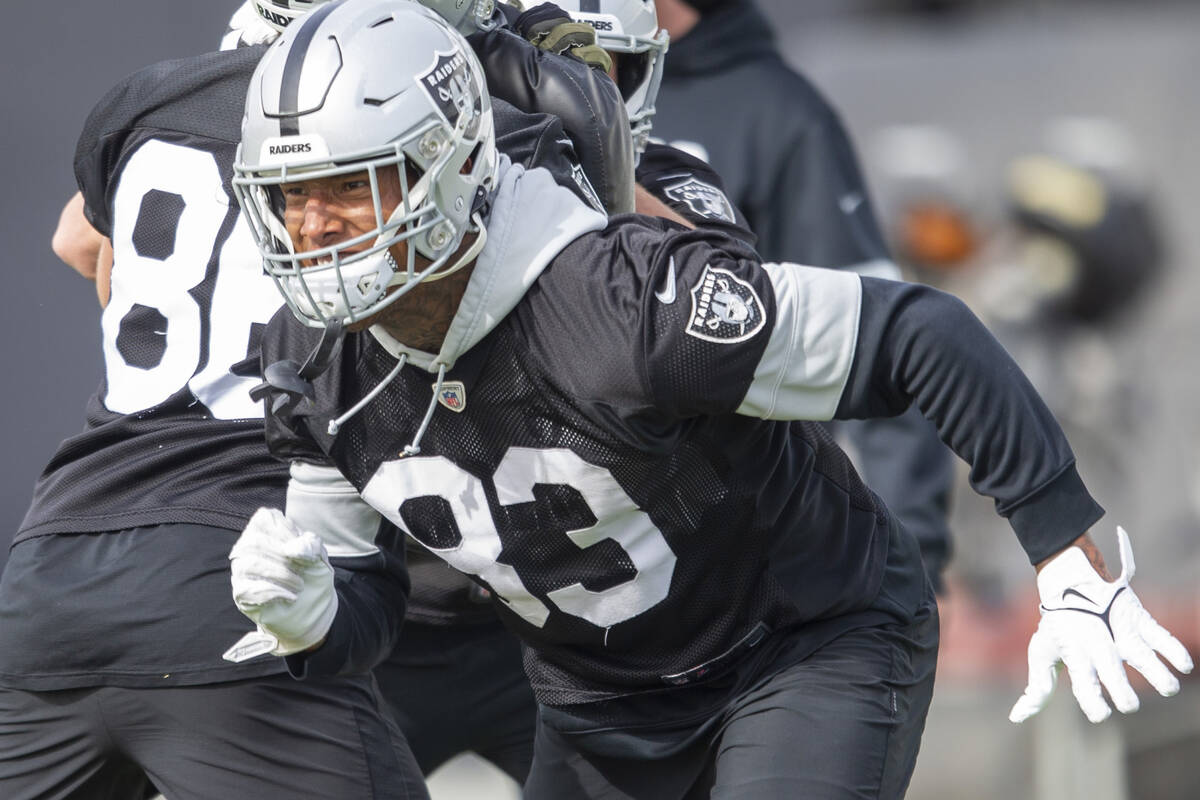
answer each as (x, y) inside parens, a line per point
(282, 581)
(246, 27)
(1094, 627)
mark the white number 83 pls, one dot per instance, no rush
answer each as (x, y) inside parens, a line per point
(618, 519)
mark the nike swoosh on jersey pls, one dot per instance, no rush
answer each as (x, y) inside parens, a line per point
(666, 295)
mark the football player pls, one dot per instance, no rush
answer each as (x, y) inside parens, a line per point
(117, 585)
(728, 97)
(594, 421)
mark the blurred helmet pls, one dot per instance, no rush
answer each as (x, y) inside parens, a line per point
(1093, 241)
(366, 87)
(465, 15)
(629, 28)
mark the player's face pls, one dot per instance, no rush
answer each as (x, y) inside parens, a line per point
(322, 212)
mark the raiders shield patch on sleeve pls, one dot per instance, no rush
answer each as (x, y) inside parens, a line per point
(725, 308)
(705, 200)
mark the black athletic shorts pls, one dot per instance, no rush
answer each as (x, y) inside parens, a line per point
(455, 688)
(838, 720)
(845, 722)
(258, 739)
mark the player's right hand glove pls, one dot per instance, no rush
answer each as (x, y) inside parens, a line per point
(552, 29)
(1095, 627)
(283, 582)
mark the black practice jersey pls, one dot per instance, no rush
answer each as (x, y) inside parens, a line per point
(440, 594)
(120, 574)
(610, 456)
(171, 435)
(692, 189)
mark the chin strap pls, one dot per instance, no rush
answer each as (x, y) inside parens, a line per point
(336, 424)
(413, 448)
(286, 384)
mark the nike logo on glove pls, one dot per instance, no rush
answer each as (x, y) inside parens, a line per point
(1077, 594)
(1102, 615)
(666, 295)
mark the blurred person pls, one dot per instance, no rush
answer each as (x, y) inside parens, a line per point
(121, 560)
(728, 97)
(594, 418)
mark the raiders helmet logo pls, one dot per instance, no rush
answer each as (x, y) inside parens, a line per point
(705, 200)
(447, 83)
(725, 309)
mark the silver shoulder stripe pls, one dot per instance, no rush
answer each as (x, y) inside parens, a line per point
(806, 364)
(320, 500)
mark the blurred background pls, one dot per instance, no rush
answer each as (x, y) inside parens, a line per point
(1036, 157)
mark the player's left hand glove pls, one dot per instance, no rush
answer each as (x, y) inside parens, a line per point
(1095, 627)
(550, 28)
(283, 582)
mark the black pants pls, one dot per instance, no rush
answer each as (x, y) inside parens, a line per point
(262, 738)
(843, 723)
(459, 688)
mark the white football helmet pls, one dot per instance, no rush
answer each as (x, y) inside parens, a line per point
(467, 16)
(629, 28)
(366, 87)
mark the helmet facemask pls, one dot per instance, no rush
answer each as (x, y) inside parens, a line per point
(639, 75)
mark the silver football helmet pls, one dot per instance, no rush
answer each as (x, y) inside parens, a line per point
(467, 16)
(366, 87)
(629, 28)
